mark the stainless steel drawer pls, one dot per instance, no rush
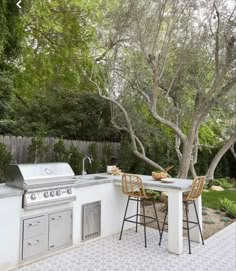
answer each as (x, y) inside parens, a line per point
(34, 227)
(34, 246)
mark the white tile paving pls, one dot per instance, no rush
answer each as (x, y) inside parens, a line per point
(129, 254)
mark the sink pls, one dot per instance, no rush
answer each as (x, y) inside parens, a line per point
(91, 178)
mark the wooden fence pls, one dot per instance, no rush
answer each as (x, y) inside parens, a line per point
(18, 146)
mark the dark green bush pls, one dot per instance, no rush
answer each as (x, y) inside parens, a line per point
(60, 153)
(96, 165)
(37, 150)
(75, 160)
(5, 159)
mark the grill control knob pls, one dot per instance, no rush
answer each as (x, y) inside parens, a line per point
(69, 191)
(33, 197)
(58, 193)
(45, 194)
(52, 194)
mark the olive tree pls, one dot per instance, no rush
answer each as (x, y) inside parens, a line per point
(178, 58)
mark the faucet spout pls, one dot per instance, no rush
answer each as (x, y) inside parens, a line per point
(83, 168)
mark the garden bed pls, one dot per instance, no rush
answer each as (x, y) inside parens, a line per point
(213, 220)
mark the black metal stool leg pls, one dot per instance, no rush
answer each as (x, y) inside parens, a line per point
(198, 222)
(144, 223)
(158, 225)
(163, 225)
(124, 218)
(137, 216)
(187, 220)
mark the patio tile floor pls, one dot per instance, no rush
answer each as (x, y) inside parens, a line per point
(129, 254)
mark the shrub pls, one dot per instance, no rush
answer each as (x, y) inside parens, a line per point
(223, 182)
(211, 199)
(96, 163)
(107, 154)
(5, 159)
(37, 150)
(75, 160)
(157, 194)
(228, 206)
(60, 153)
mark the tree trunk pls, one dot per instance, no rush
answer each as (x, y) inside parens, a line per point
(218, 156)
(185, 160)
(233, 151)
(188, 149)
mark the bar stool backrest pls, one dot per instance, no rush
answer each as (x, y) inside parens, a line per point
(196, 188)
(132, 185)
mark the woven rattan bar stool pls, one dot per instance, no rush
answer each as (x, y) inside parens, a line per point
(194, 193)
(132, 186)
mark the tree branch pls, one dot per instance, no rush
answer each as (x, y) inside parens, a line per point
(233, 151)
(217, 43)
(219, 155)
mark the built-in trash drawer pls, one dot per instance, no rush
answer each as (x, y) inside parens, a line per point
(34, 246)
(60, 229)
(91, 220)
(34, 227)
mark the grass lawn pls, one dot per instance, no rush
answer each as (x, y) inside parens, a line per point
(211, 199)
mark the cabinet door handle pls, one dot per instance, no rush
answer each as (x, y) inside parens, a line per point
(33, 243)
(34, 223)
(56, 218)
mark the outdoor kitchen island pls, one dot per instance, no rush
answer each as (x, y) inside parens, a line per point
(97, 212)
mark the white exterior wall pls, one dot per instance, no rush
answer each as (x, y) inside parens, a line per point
(113, 203)
(10, 211)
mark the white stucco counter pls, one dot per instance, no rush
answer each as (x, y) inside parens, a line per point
(10, 212)
(91, 188)
(6, 191)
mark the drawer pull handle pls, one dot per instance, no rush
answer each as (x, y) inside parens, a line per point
(34, 223)
(33, 243)
(56, 218)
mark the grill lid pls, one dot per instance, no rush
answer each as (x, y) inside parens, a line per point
(25, 176)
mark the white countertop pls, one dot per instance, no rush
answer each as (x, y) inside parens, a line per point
(148, 181)
(88, 180)
(6, 191)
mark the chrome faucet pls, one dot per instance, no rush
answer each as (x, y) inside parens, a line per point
(89, 159)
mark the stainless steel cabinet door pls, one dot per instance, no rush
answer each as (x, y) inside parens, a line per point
(60, 229)
(91, 220)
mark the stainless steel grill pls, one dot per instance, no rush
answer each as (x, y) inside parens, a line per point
(43, 184)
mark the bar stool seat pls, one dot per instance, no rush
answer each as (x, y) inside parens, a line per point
(132, 186)
(193, 194)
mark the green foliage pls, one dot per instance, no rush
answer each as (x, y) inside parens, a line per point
(106, 156)
(9, 36)
(6, 87)
(60, 153)
(75, 160)
(96, 164)
(226, 219)
(56, 40)
(156, 150)
(223, 182)
(8, 126)
(37, 150)
(155, 193)
(83, 116)
(228, 206)
(5, 159)
(212, 199)
(207, 135)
